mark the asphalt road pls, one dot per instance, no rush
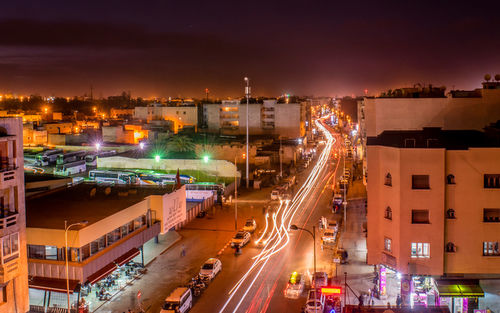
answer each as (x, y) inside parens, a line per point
(255, 281)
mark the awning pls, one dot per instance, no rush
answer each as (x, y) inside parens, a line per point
(455, 288)
(100, 274)
(129, 255)
(54, 284)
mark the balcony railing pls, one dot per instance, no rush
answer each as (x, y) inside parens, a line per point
(7, 164)
(7, 219)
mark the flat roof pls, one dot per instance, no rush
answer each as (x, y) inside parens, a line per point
(74, 204)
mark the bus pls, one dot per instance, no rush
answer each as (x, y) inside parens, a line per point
(91, 159)
(71, 168)
(70, 157)
(114, 177)
(163, 179)
(217, 189)
(47, 157)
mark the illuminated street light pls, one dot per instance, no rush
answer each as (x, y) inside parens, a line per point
(141, 145)
(66, 228)
(205, 158)
(97, 146)
(157, 158)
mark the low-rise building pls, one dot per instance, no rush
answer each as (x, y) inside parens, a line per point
(181, 116)
(434, 211)
(119, 221)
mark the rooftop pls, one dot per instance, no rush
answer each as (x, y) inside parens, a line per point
(434, 137)
(78, 203)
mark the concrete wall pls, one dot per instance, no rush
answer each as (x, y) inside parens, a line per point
(217, 167)
(415, 113)
(288, 121)
(467, 197)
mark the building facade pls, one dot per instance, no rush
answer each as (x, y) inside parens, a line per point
(434, 205)
(14, 267)
(180, 116)
(288, 120)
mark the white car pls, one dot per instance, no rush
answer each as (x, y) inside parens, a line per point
(295, 286)
(319, 279)
(328, 237)
(275, 194)
(210, 268)
(240, 239)
(332, 225)
(250, 225)
(315, 304)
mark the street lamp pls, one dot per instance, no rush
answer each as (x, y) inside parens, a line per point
(313, 234)
(247, 94)
(66, 228)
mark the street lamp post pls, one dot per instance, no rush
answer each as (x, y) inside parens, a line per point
(235, 194)
(247, 94)
(313, 234)
(66, 228)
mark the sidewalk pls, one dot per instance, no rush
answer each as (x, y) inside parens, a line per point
(359, 274)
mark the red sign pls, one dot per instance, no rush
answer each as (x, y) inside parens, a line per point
(139, 294)
(331, 290)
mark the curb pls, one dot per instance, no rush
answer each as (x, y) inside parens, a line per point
(223, 248)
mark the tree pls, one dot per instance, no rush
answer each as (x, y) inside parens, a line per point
(497, 77)
(181, 144)
(487, 77)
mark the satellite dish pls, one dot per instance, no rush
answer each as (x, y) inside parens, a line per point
(93, 191)
(107, 191)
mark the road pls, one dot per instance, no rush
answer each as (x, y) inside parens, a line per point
(254, 281)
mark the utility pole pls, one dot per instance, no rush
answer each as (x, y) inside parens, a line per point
(345, 197)
(235, 194)
(247, 93)
(281, 161)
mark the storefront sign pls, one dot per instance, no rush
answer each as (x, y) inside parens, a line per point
(174, 209)
(405, 290)
(200, 194)
(383, 281)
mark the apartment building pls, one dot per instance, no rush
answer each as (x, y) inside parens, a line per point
(13, 267)
(434, 211)
(180, 116)
(288, 120)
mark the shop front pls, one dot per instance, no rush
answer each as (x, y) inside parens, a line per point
(461, 296)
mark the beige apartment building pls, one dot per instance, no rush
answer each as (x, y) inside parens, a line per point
(180, 116)
(434, 208)
(13, 267)
(288, 120)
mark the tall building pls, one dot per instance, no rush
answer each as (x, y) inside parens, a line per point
(14, 266)
(288, 120)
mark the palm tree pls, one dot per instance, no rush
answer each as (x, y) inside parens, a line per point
(487, 77)
(181, 144)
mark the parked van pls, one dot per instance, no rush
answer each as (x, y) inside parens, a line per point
(179, 301)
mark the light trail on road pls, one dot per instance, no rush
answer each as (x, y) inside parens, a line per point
(281, 222)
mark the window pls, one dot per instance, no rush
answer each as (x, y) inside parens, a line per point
(388, 213)
(10, 247)
(36, 252)
(420, 250)
(491, 215)
(3, 293)
(85, 252)
(388, 180)
(51, 252)
(491, 180)
(450, 179)
(410, 143)
(491, 248)
(450, 214)
(420, 216)
(420, 182)
(387, 244)
(450, 247)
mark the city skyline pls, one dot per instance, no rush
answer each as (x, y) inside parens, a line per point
(179, 49)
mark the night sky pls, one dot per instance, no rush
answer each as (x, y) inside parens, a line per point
(179, 48)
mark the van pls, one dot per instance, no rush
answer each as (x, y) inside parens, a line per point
(179, 301)
(275, 194)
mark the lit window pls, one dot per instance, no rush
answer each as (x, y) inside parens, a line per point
(420, 250)
(491, 248)
(387, 244)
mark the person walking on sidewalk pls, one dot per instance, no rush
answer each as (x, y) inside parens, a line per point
(399, 301)
(183, 250)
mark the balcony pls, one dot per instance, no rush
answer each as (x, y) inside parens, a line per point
(9, 270)
(7, 218)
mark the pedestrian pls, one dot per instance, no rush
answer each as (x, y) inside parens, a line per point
(183, 250)
(360, 299)
(399, 301)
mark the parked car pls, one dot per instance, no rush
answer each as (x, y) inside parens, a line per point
(179, 301)
(250, 225)
(315, 302)
(240, 239)
(332, 225)
(319, 279)
(275, 194)
(210, 269)
(295, 286)
(328, 237)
